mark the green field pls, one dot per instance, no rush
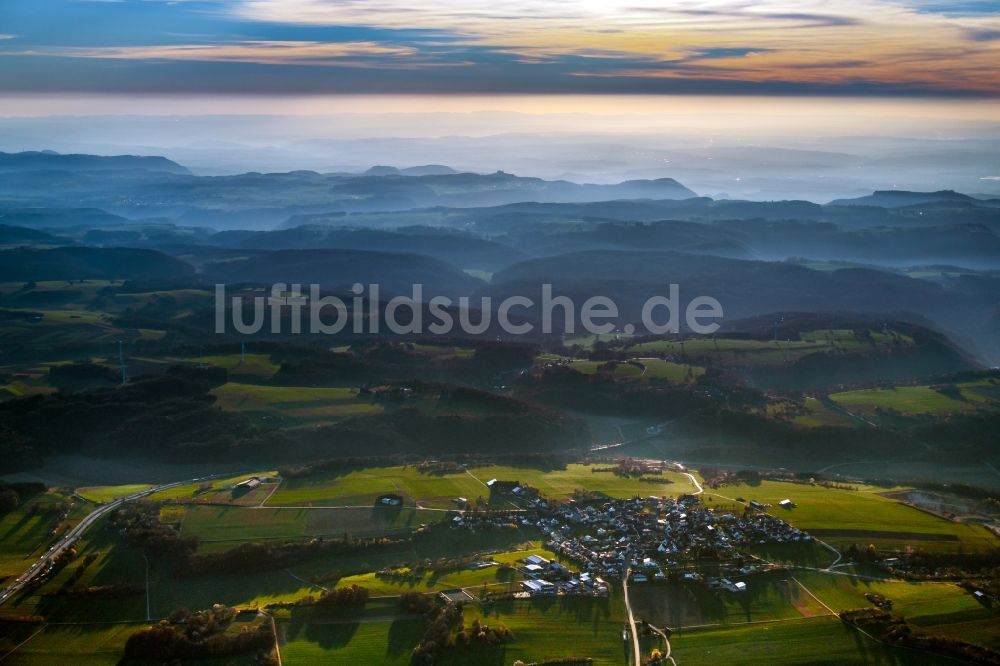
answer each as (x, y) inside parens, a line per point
(862, 516)
(738, 351)
(217, 491)
(370, 639)
(984, 632)
(58, 645)
(381, 634)
(242, 589)
(768, 597)
(442, 351)
(561, 483)
(362, 487)
(25, 532)
(818, 640)
(474, 579)
(113, 563)
(252, 367)
(905, 399)
(73, 329)
(930, 607)
(223, 527)
(918, 399)
(921, 603)
(86, 644)
(293, 405)
(102, 494)
(641, 368)
(547, 629)
(810, 413)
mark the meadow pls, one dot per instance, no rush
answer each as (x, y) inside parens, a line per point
(473, 580)
(548, 629)
(768, 597)
(817, 640)
(97, 644)
(810, 413)
(221, 527)
(923, 603)
(217, 491)
(247, 367)
(740, 351)
(383, 639)
(362, 487)
(967, 397)
(25, 532)
(102, 494)
(293, 405)
(57, 645)
(860, 516)
(641, 368)
(257, 589)
(111, 563)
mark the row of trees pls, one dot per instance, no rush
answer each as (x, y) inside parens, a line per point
(445, 628)
(203, 635)
(12, 494)
(894, 630)
(264, 556)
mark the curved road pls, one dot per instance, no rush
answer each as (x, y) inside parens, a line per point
(636, 649)
(695, 482)
(70, 537)
(631, 621)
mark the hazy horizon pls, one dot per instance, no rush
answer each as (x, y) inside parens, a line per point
(816, 148)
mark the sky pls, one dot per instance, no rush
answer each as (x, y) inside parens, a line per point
(486, 47)
(759, 99)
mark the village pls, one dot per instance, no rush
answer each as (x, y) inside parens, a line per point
(650, 540)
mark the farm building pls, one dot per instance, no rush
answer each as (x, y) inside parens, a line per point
(534, 587)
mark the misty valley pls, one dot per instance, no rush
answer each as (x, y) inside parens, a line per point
(193, 471)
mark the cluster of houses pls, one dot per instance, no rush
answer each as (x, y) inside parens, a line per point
(547, 577)
(652, 534)
(650, 537)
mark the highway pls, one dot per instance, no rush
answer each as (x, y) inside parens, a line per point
(71, 536)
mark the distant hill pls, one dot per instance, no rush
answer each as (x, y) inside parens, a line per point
(897, 198)
(157, 187)
(904, 350)
(463, 250)
(76, 263)
(388, 191)
(51, 161)
(427, 170)
(21, 236)
(692, 237)
(394, 272)
(963, 308)
(42, 218)
(424, 170)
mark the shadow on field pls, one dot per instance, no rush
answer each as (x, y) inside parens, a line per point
(404, 635)
(328, 635)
